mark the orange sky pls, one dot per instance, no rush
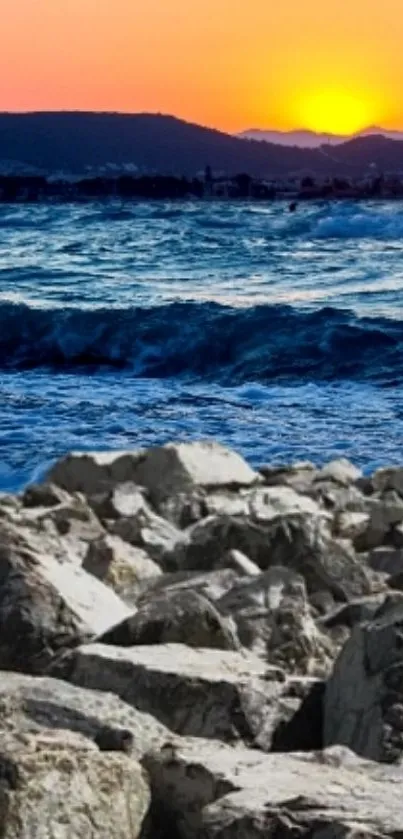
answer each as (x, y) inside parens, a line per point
(333, 65)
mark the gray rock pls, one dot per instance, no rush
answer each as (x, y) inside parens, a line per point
(178, 468)
(44, 495)
(95, 472)
(58, 784)
(46, 605)
(32, 704)
(119, 565)
(216, 792)
(274, 619)
(365, 692)
(340, 471)
(240, 563)
(175, 617)
(197, 692)
(388, 479)
(157, 536)
(386, 560)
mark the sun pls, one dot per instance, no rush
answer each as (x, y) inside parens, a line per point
(334, 111)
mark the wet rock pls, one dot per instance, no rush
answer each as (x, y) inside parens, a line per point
(175, 617)
(119, 564)
(211, 790)
(274, 619)
(366, 687)
(59, 784)
(198, 692)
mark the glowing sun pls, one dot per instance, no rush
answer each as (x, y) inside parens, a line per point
(335, 111)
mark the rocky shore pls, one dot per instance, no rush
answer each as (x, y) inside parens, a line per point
(191, 649)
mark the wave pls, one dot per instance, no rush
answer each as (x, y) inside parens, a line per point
(205, 340)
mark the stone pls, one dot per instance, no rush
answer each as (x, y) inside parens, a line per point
(95, 472)
(212, 584)
(60, 785)
(177, 468)
(118, 564)
(240, 563)
(274, 620)
(203, 788)
(211, 693)
(157, 536)
(298, 476)
(46, 605)
(302, 543)
(386, 560)
(350, 525)
(120, 501)
(268, 503)
(31, 704)
(366, 687)
(44, 495)
(175, 617)
(390, 478)
(340, 471)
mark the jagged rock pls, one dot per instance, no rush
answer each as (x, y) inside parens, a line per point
(337, 498)
(365, 692)
(268, 503)
(178, 468)
(175, 617)
(30, 704)
(386, 512)
(59, 784)
(340, 471)
(386, 560)
(300, 542)
(274, 619)
(44, 495)
(299, 476)
(227, 695)
(357, 611)
(212, 584)
(157, 536)
(119, 564)
(350, 525)
(46, 605)
(202, 788)
(388, 479)
(119, 501)
(94, 472)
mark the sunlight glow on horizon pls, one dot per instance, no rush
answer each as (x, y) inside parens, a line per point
(230, 65)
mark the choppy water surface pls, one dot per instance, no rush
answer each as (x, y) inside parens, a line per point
(133, 324)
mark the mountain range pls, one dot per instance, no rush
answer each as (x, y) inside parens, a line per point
(312, 139)
(79, 142)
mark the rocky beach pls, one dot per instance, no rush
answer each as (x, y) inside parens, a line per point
(195, 649)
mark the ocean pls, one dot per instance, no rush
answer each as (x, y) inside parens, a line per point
(125, 325)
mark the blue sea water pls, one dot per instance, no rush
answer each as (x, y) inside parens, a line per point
(131, 324)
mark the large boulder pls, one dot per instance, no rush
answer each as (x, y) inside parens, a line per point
(32, 704)
(46, 605)
(230, 696)
(119, 565)
(58, 784)
(203, 788)
(274, 619)
(364, 696)
(175, 617)
(95, 472)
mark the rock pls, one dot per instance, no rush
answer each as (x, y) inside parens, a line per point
(240, 563)
(120, 501)
(44, 495)
(385, 512)
(274, 619)
(365, 690)
(118, 564)
(31, 704)
(202, 788)
(357, 611)
(299, 542)
(147, 530)
(298, 476)
(175, 617)
(388, 479)
(59, 785)
(178, 468)
(268, 503)
(212, 584)
(340, 471)
(198, 692)
(349, 525)
(95, 472)
(386, 560)
(46, 605)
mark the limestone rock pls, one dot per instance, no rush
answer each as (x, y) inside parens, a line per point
(59, 784)
(32, 704)
(119, 564)
(95, 472)
(199, 692)
(175, 617)
(274, 619)
(364, 696)
(210, 790)
(177, 468)
(46, 605)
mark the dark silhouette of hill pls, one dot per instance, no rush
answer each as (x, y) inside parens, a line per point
(73, 141)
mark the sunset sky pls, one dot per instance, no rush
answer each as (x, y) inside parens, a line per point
(231, 64)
